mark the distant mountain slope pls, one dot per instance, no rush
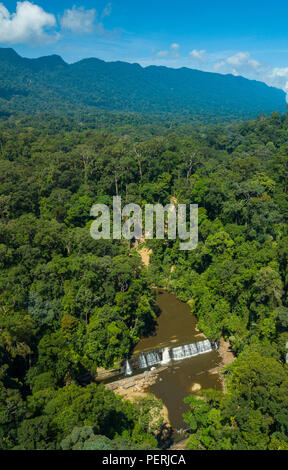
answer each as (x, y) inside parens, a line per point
(50, 84)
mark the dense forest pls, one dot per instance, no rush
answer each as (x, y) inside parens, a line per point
(70, 305)
(92, 85)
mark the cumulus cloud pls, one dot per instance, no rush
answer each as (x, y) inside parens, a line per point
(29, 24)
(238, 59)
(279, 77)
(169, 53)
(197, 54)
(239, 64)
(242, 58)
(79, 20)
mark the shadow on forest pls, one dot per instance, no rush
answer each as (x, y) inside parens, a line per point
(165, 437)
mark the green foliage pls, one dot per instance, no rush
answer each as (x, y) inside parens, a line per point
(70, 305)
(91, 85)
(252, 415)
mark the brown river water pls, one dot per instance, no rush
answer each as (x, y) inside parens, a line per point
(177, 326)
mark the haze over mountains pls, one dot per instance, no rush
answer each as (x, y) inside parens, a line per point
(50, 84)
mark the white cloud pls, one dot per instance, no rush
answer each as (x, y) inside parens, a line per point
(107, 10)
(254, 64)
(197, 54)
(279, 78)
(218, 65)
(280, 72)
(162, 53)
(243, 64)
(238, 59)
(240, 63)
(171, 53)
(28, 24)
(242, 58)
(79, 20)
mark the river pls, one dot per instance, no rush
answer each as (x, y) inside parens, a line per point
(177, 326)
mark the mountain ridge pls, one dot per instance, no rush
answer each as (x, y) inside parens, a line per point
(49, 83)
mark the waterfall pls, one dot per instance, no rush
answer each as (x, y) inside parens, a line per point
(166, 356)
(190, 350)
(204, 346)
(149, 359)
(142, 361)
(128, 369)
(153, 358)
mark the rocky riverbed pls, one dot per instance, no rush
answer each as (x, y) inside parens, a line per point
(132, 388)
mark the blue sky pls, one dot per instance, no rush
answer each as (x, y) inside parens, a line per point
(248, 38)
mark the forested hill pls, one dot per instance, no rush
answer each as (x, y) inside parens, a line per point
(70, 305)
(50, 84)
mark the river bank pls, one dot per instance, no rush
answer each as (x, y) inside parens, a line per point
(226, 355)
(132, 388)
(139, 386)
(185, 374)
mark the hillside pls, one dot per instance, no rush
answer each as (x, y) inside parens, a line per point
(71, 306)
(50, 84)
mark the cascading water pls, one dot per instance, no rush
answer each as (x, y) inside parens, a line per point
(182, 352)
(190, 350)
(164, 356)
(153, 358)
(142, 361)
(176, 326)
(149, 359)
(204, 346)
(128, 369)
